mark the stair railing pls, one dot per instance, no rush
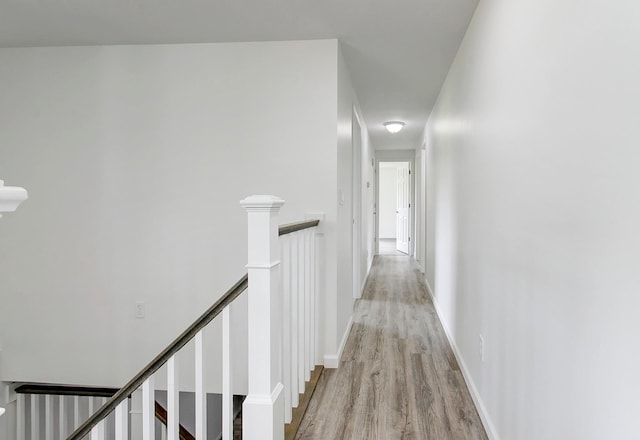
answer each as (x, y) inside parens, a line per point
(65, 408)
(282, 339)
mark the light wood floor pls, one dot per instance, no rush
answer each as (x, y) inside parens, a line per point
(398, 378)
(387, 246)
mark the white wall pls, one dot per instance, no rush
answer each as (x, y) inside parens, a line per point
(533, 190)
(421, 209)
(364, 225)
(344, 299)
(388, 201)
(367, 237)
(135, 158)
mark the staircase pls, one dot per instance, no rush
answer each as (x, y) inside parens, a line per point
(281, 319)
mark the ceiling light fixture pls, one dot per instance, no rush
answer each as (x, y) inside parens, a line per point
(393, 126)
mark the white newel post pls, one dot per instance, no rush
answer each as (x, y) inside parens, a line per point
(263, 409)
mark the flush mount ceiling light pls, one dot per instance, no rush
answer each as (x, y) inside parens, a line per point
(393, 126)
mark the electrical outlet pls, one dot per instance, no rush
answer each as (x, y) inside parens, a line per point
(481, 348)
(140, 310)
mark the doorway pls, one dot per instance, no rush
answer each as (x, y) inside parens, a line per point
(394, 203)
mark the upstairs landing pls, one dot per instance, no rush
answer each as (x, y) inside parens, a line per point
(398, 378)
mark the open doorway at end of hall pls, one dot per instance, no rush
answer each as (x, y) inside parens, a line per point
(393, 209)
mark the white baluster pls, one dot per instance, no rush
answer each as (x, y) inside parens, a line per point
(21, 420)
(35, 417)
(173, 400)
(91, 405)
(307, 304)
(316, 268)
(301, 313)
(62, 417)
(312, 283)
(135, 414)
(48, 417)
(263, 415)
(285, 252)
(76, 412)
(122, 420)
(149, 410)
(163, 432)
(293, 270)
(98, 431)
(227, 390)
(201, 391)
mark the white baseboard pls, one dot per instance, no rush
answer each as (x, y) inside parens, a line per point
(333, 360)
(492, 433)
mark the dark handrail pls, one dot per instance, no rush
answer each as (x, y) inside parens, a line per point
(161, 359)
(295, 227)
(65, 390)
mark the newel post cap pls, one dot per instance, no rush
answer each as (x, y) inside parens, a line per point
(11, 197)
(262, 203)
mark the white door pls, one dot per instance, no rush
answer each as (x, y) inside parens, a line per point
(402, 208)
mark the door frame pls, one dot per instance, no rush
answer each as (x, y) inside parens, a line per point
(356, 204)
(396, 156)
(403, 202)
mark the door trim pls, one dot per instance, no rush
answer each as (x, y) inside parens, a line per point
(396, 156)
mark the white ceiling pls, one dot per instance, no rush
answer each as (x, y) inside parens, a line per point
(398, 51)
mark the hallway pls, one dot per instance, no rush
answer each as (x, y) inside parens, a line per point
(398, 378)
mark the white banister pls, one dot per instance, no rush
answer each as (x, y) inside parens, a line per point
(62, 417)
(286, 326)
(21, 421)
(122, 420)
(282, 321)
(312, 282)
(149, 410)
(227, 378)
(307, 303)
(35, 416)
(76, 411)
(301, 314)
(201, 391)
(99, 431)
(295, 331)
(173, 400)
(263, 409)
(48, 417)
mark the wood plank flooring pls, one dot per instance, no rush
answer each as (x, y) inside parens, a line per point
(398, 377)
